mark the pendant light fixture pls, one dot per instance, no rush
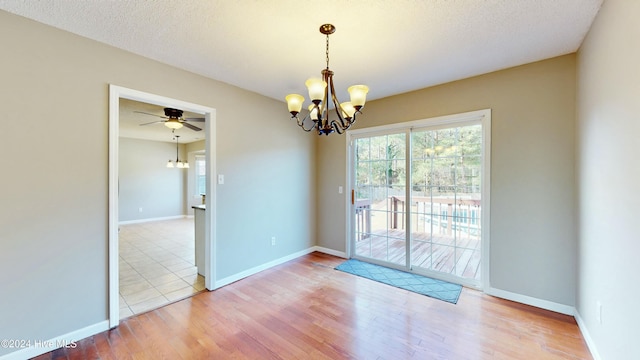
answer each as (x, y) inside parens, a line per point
(319, 90)
(179, 164)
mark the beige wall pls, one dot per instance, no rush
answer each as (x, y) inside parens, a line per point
(53, 217)
(145, 182)
(533, 241)
(609, 191)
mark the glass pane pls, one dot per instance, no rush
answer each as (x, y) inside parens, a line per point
(446, 200)
(380, 176)
(470, 141)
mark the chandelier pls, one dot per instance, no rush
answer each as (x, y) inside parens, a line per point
(179, 164)
(320, 91)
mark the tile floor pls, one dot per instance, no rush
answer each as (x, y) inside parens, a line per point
(157, 265)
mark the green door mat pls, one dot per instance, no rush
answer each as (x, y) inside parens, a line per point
(437, 289)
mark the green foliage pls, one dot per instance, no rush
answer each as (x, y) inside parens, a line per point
(444, 161)
(380, 163)
(447, 160)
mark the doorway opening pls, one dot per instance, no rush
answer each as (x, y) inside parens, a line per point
(157, 254)
(151, 247)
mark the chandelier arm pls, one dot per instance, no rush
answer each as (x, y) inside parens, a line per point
(301, 122)
(323, 108)
(309, 129)
(338, 128)
(341, 127)
(336, 104)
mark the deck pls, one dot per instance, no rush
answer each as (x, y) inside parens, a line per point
(445, 233)
(456, 256)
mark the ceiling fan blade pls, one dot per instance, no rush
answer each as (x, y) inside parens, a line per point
(194, 128)
(153, 122)
(146, 113)
(194, 119)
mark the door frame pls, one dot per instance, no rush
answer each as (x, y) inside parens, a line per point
(484, 116)
(115, 94)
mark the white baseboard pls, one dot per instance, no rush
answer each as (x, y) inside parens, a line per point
(39, 347)
(528, 300)
(587, 337)
(139, 221)
(241, 275)
(325, 250)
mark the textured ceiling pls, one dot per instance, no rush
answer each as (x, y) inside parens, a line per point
(272, 47)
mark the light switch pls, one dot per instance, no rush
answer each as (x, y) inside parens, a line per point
(220, 179)
(339, 189)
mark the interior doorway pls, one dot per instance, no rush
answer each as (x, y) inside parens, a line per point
(156, 224)
(116, 96)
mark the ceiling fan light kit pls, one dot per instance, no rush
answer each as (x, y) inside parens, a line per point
(320, 91)
(174, 120)
(173, 124)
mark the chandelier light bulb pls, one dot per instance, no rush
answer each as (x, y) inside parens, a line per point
(358, 95)
(313, 112)
(316, 88)
(348, 110)
(294, 103)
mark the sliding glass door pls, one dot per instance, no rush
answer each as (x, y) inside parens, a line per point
(417, 201)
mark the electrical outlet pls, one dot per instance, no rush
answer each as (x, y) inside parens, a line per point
(273, 241)
(599, 312)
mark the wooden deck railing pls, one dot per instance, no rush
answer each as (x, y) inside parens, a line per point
(454, 210)
(363, 218)
(449, 214)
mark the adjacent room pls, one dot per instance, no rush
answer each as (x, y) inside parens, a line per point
(156, 200)
(493, 151)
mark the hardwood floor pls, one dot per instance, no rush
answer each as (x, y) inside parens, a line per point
(304, 309)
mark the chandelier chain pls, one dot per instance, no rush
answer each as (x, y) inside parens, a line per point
(327, 52)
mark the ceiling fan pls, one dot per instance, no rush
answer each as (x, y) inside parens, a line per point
(174, 119)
